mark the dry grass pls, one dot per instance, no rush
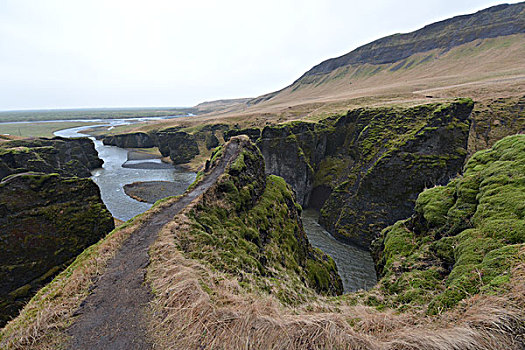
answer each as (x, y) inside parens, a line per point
(197, 308)
(483, 69)
(43, 321)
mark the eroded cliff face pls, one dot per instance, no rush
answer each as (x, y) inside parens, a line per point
(180, 146)
(71, 157)
(253, 223)
(494, 119)
(46, 220)
(131, 140)
(463, 239)
(366, 168)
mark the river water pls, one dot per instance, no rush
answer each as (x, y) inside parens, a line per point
(112, 177)
(355, 265)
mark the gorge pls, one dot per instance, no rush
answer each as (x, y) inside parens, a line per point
(375, 203)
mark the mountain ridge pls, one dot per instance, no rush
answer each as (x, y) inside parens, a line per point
(483, 18)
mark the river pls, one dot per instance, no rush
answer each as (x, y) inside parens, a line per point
(112, 177)
(355, 265)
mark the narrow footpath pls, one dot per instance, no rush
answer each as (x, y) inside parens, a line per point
(112, 316)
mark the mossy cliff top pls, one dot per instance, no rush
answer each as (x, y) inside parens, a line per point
(45, 221)
(70, 157)
(464, 239)
(248, 225)
(365, 169)
(201, 304)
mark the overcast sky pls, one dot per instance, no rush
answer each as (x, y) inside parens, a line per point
(109, 53)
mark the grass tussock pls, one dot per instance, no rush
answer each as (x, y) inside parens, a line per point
(198, 308)
(199, 305)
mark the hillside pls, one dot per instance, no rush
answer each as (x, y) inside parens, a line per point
(477, 56)
(209, 279)
(501, 20)
(411, 148)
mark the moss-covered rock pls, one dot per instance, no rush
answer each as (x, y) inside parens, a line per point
(464, 238)
(253, 133)
(366, 168)
(248, 225)
(494, 119)
(70, 157)
(211, 141)
(180, 146)
(131, 140)
(46, 220)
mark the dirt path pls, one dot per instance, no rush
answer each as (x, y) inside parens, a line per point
(112, 316)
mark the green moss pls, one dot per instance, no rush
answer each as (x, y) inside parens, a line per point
(472, 234)
(318, 276)
(435, 203)
(330, 171)
(256, 236)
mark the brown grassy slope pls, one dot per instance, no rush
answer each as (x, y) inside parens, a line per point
(483, 70)
(200, 307)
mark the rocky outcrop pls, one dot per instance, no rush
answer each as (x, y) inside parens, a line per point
(366, 168)
(71, 157)
(494, 119)
(489, 23)
(211, 141)
(131, 140)
(46, 220)
(252, 133)
(253, 223)
(463, 239)
(180, 146)
(283, 148)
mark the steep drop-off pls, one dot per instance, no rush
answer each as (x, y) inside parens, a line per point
(466, 238)
(249, 225)
(45, 221)
(48, 214)
(494, 119)
(235, 222)
(70, 157)
(179, 145)
(366, 168)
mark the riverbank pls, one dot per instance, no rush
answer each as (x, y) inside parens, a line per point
(152, 191)
(113, 176)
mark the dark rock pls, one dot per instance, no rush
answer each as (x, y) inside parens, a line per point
(131, 140)
(46, 220)
(246, 204)
(180, 146)
(71, 157)
(211, 141)
(252, 133)
(368, 166)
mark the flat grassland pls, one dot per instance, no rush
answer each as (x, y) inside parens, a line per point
(38, 129)
(95, 113)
